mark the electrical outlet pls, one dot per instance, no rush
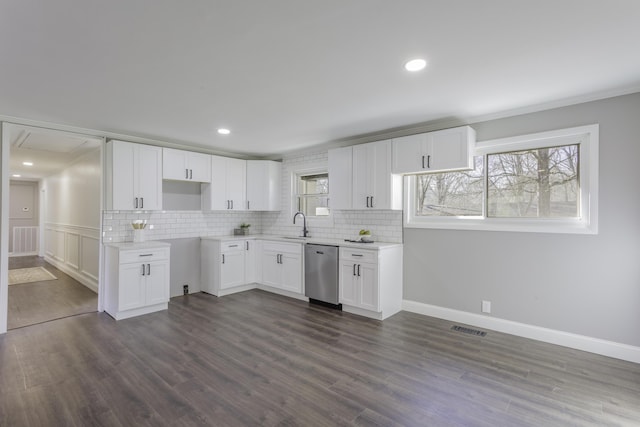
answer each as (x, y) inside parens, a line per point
(486, 306)
(185, 289)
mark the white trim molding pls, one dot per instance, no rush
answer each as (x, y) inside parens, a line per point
(566, 339)
(74, 250)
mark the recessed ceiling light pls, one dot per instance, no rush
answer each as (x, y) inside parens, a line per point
(27, 163)
(15, 175)
(224, 131)
(415, 64)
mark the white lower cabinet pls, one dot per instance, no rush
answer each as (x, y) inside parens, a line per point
(227, 266)
(137, 278)
(282, 266)
(371, 281)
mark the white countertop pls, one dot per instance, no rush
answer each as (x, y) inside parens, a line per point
(301, 240)
(139, 245)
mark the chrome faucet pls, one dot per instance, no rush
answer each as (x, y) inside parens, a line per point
(305, 232)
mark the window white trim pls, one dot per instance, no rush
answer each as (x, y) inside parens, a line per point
(588, 139)
(308, 169)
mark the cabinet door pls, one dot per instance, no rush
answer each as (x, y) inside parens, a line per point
(379, 158)
(271, 269)
(361, 177)
(174, 164)
(291, 265)
(348, 283)
(122, 175)
(131, 289)
(232, 269)
(214, 194)
(157, 283)
(450, 149)
(341, 178)
(368, 286)
(199, 166)
(250, 262)
(149, 177)
(236, 183)
(408, 152)
(263, 185)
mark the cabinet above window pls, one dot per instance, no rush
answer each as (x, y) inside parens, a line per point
(444, 150)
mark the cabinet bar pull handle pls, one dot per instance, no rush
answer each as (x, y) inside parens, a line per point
(371, 202)
(190, 173)
(247, 242)
(232, 204)
(248, 205)
(145, 255)
(143, 270)
(358, 270)
(429, 161)
(354, 269)
(233, 246)
(367, 201)
(136, 203)
(357, 255)
(223, 258)
(186, 173)
(148, 269)
(141, 202)
(422, 162)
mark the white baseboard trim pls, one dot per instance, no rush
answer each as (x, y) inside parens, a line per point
(566, 339)
(86, 281)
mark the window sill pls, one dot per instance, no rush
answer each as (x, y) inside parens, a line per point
(513, 225)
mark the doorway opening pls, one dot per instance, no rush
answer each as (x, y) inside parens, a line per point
(54, 205)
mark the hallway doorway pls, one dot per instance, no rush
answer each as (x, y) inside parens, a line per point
(61, 278)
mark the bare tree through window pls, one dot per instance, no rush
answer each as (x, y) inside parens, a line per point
(540, 183)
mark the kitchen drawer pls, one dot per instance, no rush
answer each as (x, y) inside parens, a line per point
(281, 247)
(232, 246)
(358, 255)
(144, 255)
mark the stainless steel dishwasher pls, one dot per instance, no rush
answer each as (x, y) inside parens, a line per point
(321, 274)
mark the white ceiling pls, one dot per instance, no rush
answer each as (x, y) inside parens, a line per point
(48, 151)
(289, 74)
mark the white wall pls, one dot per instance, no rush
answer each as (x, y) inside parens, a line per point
(72, 219)
(23, 206)
(582, 284)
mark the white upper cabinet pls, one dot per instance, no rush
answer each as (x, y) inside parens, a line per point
(227, 190)
(360, 178)
(180, 165)
(373, 185)
(340, 178)
(134, 176)
(263, 185)
(439, 151)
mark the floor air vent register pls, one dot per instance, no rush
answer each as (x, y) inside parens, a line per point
(468, 331)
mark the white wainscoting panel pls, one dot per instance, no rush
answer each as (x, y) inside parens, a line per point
(74, 250)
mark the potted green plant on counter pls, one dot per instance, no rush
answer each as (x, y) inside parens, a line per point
(243, 230)
(365, 236)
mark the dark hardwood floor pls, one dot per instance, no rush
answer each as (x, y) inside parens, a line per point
(256, 358)
(36, 302)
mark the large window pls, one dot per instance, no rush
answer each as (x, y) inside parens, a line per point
(544, 182)
(312, 195)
